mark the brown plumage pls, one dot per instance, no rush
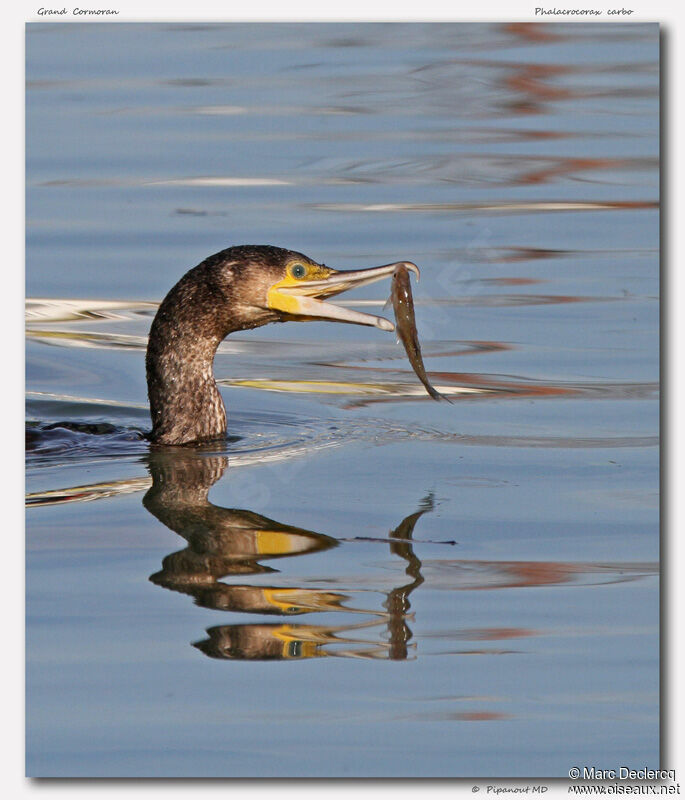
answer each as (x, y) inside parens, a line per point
(225, 293)
(237, 289)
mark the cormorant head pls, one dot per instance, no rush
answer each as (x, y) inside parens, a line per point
(288, 285)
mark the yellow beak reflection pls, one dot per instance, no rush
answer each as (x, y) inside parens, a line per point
(301, 298)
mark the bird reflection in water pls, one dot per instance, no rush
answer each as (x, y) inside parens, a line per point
(226, 541)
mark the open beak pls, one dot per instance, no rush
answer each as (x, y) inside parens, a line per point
(303, 299)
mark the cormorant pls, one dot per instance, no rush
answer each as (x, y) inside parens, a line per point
(236, 289)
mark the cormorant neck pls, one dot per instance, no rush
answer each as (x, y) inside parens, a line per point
(210, 301)
(185, 403)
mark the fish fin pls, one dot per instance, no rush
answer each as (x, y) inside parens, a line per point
(436, 395)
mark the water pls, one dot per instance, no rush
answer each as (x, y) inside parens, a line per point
(361, 582)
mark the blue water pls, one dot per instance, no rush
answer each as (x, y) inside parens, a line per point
(305, 622)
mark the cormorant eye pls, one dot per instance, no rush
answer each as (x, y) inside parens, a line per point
(298, 271)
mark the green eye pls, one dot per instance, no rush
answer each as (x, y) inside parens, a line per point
(298, 271)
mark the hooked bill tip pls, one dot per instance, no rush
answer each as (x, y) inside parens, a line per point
(385, 324)
(413, 268)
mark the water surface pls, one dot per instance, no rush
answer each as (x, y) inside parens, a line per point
(361, 581)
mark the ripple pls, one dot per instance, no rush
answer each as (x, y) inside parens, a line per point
(218, 180)
(513, 207)
(471, 169)
(257, 440)
(475, 575)
(201, 180)
(467, 386)
(287, 368)
(82, 494)
(565, 442)
(468, 575)
(64, 429)
(41, 310)
(47, 442)
(88, 339)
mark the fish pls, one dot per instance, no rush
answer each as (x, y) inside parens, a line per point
(403, 306)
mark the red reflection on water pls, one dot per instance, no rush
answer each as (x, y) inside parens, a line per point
(532, 31)
(494, 634)
(531, 80)
(512, 281)
(515, 254)
(508, 387)
(478, 716)
(531, 573)
(566, 166)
